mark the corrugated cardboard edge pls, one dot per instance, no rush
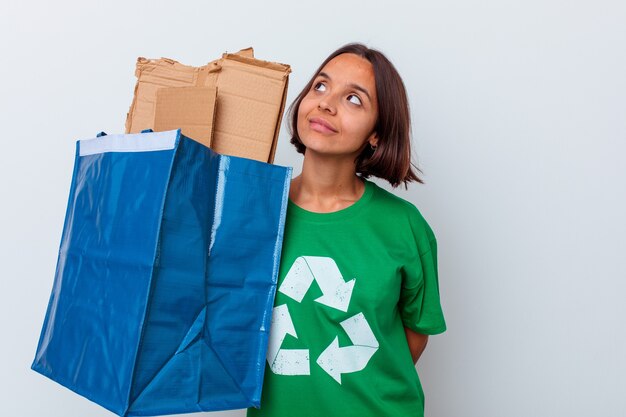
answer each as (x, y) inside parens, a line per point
(133, 104)
(276, 66)
(279, 122)
(247, 52)
(214, 114)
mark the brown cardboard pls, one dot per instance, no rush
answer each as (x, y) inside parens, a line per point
(247, 52)
(154, 74)
(191, 107)
(250, 102)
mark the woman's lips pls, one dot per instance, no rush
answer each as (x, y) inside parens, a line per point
(320, 126)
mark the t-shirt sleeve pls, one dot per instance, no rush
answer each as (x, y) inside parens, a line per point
(419, 303)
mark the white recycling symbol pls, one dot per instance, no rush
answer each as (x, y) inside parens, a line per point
(336, 293)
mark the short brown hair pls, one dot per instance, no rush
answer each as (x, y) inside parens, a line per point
(391, 160)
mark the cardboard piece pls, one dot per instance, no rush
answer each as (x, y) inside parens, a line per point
(251, 96)
(192, 107)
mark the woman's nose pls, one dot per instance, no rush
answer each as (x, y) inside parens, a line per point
(327, 104)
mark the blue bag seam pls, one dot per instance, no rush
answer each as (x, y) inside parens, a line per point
(275, 272)
(208, 257)
(150, 287)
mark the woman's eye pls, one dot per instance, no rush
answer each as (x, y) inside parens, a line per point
(319, 86)
(354, 99)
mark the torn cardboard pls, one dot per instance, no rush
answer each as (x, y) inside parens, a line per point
(250, 101)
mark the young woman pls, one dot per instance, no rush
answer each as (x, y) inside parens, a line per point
(358, 291)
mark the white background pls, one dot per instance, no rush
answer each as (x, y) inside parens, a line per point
(519, 113)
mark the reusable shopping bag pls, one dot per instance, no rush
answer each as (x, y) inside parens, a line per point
(166, 276)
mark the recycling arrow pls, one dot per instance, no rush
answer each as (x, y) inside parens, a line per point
(285, 361)
(337, 360)
(336, 292)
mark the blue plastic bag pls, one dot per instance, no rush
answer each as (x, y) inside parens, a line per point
(166, 276)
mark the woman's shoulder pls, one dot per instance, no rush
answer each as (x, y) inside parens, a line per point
(396, 208)
(394, 203)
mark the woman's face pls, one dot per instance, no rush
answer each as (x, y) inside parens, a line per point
(337, 116)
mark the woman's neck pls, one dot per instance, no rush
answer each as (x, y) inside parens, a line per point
(326, 184)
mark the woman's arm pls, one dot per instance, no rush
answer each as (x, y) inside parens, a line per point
(417, 343)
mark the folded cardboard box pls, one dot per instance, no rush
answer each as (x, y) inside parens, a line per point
(234, 104)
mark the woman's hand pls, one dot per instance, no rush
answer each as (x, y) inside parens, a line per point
(417, 343)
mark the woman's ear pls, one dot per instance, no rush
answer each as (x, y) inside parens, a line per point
(373, 139)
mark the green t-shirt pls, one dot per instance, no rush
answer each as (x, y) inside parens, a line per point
(349, 282)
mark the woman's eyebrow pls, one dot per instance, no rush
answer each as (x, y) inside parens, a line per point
(351, 85)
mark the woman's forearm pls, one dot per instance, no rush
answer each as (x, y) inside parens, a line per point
(417, 343)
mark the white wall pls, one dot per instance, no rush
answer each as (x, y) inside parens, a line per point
(519, 111)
